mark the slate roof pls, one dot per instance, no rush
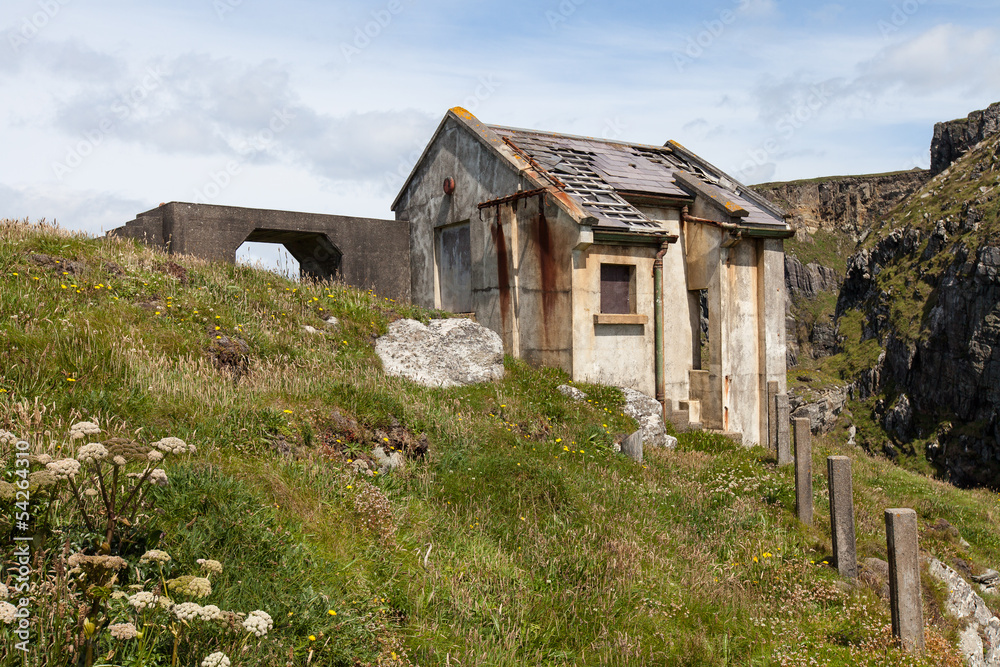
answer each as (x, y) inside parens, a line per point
(598, 172)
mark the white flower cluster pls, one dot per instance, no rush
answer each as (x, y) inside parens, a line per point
(120, 460)
(258, 623)
(195, 587)
(8, 612)
(217, 659)
(154, 456)
(64, 468)
(210, 613)
(155, 556)
(123, 631)
(187, 611)
(44, 459)
(210, 566)
(173, 445)
(4, 592)
(142, 600)
(93, 451)
(80, 430)
(7, 438)
(158, 476)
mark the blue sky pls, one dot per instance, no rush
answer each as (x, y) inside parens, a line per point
(109, 108)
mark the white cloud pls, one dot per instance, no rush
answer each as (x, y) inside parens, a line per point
(89, 211)
(944, 57)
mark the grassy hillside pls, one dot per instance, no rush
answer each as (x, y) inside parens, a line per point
(514, 536)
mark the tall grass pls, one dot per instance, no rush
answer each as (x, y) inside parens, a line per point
(521, 537)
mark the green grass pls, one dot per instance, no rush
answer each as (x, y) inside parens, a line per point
(521, 537)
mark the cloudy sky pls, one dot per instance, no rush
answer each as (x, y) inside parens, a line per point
(109, 107)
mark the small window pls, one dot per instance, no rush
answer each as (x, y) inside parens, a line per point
(618, 289)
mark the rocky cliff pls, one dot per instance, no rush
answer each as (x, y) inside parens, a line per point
(927, 287)
(849, 204)
(953, 138)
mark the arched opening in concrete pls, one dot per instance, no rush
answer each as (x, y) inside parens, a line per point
(314, 253)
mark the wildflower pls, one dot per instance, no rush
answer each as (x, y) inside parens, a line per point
(119, 460)
(210, 613)
(187, 611)
(7, 490)
(44, 459)
(312, 638)
(4, 592)
(90, 493)
(8, 613)
(123, 631)
(217, 659)
(258, 623)
(42, 478)
(64, 468)
(142, 600)
(196, 587)
(80, 430)
(7, 438)
(119, 595)
(92, 452)
(155, 556)
(154, 456)
(158, 476)
(173, 445)
(212, 566)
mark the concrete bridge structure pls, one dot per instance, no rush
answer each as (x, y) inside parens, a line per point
(363, 252)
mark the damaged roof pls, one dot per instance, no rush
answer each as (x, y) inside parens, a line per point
(601, 174)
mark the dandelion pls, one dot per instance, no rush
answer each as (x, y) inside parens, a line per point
(123, 631)
(312, 638)
(258, 623)
(217, 659)
(332, 612)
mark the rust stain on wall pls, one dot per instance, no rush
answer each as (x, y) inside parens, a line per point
(503, 270)
(546, 268)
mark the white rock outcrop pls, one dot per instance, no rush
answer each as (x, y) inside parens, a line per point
(649, 413)
(444, 353)
(963, 603)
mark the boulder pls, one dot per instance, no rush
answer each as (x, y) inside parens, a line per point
(572, 392)
(443, 353)
(649, 413)
(963, 603)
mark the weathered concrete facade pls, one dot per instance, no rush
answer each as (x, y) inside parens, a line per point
(363, 252)
(571, 241)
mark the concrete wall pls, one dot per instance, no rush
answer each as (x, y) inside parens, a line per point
(479, 176)
(614, 353)
(741, 359)
(373, 254)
